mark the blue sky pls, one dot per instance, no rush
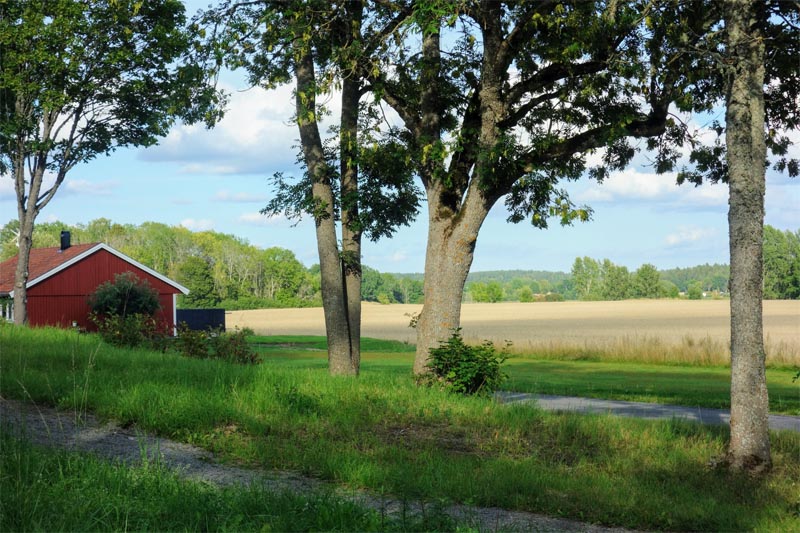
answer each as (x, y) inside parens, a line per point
(218, 180)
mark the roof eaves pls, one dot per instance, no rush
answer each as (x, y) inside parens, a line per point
(92, 250)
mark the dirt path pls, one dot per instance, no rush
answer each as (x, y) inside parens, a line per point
(48, 427)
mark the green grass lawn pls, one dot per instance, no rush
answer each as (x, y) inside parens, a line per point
(703, 386)
(383, 433)
(679, 385)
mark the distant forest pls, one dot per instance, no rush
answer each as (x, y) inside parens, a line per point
(226, 271)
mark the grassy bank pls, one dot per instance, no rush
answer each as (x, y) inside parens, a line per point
(43, 490)
(383, 433)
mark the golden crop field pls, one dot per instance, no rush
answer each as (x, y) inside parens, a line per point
(701, 328)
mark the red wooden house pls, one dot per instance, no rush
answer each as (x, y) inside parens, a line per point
(61, 279)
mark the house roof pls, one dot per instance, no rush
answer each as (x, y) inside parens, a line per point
(46, 262)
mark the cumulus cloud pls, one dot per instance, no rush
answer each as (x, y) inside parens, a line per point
(85, 187)
(193, 224)
(239, 197)
(632, 185)
(257, 219)
(690, 234)
(256, 136)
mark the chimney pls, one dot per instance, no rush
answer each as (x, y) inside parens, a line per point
(65, 238)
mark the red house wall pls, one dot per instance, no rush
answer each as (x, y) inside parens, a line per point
(63, 298)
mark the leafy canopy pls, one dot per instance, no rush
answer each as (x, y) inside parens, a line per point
(81, 78)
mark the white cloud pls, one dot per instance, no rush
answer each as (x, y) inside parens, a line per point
(689, 234)
(103, 188)
(257, 219)
(240, 197)
(635, 186)
(202, 224)
(256, 136)
(7, 188)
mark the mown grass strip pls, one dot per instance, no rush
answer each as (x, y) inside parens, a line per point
(677, 385)
(382, 432)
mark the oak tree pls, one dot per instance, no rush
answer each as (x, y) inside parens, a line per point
(504, 100)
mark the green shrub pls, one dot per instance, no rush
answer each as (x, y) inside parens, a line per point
(192, 343)
(127, 295)
(216, 344)
(132, 330)
(466, 369)
(233, 347)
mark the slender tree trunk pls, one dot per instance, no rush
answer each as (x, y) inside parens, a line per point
(333, 302)
(351, 233)
(749, 447)
(21, 273)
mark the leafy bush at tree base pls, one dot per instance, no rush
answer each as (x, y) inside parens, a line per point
(465, 369)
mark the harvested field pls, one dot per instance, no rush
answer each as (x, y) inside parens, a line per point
(530, 326)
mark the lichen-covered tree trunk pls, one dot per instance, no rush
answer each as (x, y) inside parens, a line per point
(749, 447)
(333, 301)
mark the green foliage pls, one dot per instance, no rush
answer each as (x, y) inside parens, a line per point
(131, 330)
(646, 282)
(667, 289)
(781, 264)
(465, 369)
(490, 292)
(616, 281)
(126, 295)
(214, 344)
(695, 291)
(711, 277)
(195, 273)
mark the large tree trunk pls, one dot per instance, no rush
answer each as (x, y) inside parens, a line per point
(749, 447)
(451, 248)
(333, 302)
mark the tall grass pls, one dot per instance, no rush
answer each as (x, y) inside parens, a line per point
(648, 349)
(383, 433)
(49, 490)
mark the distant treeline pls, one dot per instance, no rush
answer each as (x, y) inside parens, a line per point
(223, 270)
(592, 279)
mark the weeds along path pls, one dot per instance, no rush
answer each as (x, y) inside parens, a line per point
(78, 431)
